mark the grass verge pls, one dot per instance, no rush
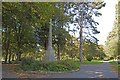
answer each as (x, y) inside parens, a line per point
(111, 62)
(92, 62)
(115, 65)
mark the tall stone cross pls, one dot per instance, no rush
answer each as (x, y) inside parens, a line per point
(50, 53)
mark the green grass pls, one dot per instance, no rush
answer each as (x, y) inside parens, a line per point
(98, 60)
(92, 62)
(111, 62)
(116, 66)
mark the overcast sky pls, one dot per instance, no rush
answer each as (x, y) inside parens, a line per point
(106, 21)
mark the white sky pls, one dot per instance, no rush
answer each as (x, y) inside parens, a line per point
(106, 21)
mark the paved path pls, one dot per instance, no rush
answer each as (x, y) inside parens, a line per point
(8, 71)
(91, 71)
(87, 71)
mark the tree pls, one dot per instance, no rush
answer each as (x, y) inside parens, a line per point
(84, 12)
(100, 53)
(112, 44)
(25, 25)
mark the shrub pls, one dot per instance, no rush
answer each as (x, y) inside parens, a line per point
(101, 58)
(89, 57)
(111, 58)
(27, 61)
(18, 68)
(26, 68)
(49, 66)
(16, 62)
(95, 59)
(34, 66)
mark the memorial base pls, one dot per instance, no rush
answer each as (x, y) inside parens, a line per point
(49, 55)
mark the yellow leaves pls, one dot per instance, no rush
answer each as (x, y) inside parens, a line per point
(3, 6)
(31, 8)
(22, 74)
(32, 24)
(41, 18)
(34, 10)
(45, 20)
(45, 35)
(70, 6)
(50, 5)
(26, 3)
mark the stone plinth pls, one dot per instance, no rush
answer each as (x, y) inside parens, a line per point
(50, 53)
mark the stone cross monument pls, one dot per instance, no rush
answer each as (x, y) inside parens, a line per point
(50, 53)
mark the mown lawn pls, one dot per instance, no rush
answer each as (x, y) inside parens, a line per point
(116, 66)
(91, 62)
(113, 63)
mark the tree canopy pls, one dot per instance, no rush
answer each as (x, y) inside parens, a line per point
(25, 28)
(113, 42)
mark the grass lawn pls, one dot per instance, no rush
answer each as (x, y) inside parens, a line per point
(98, 60)
(116, 66)
(113, 63)
(91, 62)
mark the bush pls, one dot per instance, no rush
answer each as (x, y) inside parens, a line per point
(118, 62)
(89, 57)
(101, 58)
(27, 61)
(18, 68)
(34, 66)
(49, 66)
(111, 58)
(16, 62)
(95, 59)
(26, 68)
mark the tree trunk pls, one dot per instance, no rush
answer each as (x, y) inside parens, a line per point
(19, 56)
(81, 26)
(6, 57)
(58, 52)
(13, 57)
(7, 51)
(45, 45)
(18, 52)
(81, 45)
(10, 58)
